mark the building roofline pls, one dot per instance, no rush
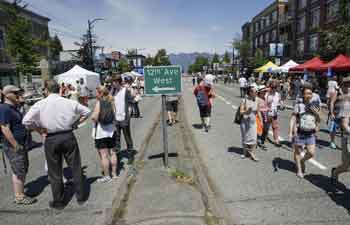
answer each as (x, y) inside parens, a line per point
(28, 12)
(273, 4)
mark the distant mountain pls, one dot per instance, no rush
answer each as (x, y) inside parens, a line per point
(186, 59)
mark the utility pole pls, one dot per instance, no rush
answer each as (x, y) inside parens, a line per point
(91, 47)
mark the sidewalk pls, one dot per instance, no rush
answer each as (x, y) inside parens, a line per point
(98, 207)
(156, 195)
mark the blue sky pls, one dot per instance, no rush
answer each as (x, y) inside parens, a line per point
(176, 25)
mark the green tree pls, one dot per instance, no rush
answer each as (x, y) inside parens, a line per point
(199, 64)
(149, 61)
(21, 46)
(336, 40)
(55, 47)
(84, 52)
(123, 66)
(161, 58)
(243, 49)
(227, 58)
(259, 59)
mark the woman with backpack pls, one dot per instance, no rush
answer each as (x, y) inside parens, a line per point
(103, 116)
(302, 130)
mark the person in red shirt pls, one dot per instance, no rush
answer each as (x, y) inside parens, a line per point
(204, 95)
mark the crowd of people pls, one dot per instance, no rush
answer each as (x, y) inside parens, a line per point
(263, 99)
(55, 118)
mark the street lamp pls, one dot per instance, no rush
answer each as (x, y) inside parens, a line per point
(90, 26)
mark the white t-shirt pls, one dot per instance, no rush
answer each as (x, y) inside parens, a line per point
(242, 82)
(273, 101)
(332, 87)
(84, 91)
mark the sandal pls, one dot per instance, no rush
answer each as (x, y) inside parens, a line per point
(26, 200)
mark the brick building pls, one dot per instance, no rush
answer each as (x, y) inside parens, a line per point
(39, 30)
(295, 23)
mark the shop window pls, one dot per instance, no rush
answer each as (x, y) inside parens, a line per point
(301, 24)
(332, 9)
(313, 43)
(315, 18)
(300, 46)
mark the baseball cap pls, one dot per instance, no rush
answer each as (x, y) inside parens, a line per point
(10, 89)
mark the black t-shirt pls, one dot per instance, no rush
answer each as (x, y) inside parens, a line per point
(9, 115)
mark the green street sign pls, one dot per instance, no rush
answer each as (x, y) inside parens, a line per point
(163, 80)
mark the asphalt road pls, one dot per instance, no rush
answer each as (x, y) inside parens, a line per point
(101, 195)
(267, 192)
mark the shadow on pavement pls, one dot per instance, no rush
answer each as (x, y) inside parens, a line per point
(36, 187)
(161, 156)
(237, 150)
(197, 126)
(283, 164)
(322, 143)
(340, 194)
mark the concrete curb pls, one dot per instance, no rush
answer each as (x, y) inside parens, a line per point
(211, 198)
(121, 192)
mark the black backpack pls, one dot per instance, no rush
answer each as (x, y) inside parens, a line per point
(106, 115)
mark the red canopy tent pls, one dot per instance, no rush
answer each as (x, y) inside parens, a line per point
(312, 65)
(344, 67)
(335, 63)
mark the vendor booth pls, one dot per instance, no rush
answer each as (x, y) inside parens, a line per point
(91, 79)
(267, 68)
(285, 67)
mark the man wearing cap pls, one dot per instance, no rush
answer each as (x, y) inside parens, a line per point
(56, 117)
(342, 105)
(14, 134)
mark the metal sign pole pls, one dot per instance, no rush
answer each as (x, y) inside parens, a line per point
(165, 133)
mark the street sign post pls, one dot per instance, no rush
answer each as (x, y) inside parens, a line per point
(163, 80)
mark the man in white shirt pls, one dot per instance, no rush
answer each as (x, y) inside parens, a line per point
(55, 118)
(242, 85)
(83, 92)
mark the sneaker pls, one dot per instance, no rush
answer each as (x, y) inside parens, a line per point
(333, 145)
(334, 179)
(105, 179)
(26, 200)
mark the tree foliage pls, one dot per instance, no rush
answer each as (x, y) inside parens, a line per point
(198, 65)
(336, 40)
(123, 66)
(259, 59)
(161, 58)
(21, 46)
(227, 58)
(243, 49)
(84, 52)
(55, 47)
(215, 59)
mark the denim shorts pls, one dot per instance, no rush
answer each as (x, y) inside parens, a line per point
(301, 140)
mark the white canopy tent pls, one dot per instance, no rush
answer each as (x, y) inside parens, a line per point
(91, 79)
(132, 74)
(285, 67)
